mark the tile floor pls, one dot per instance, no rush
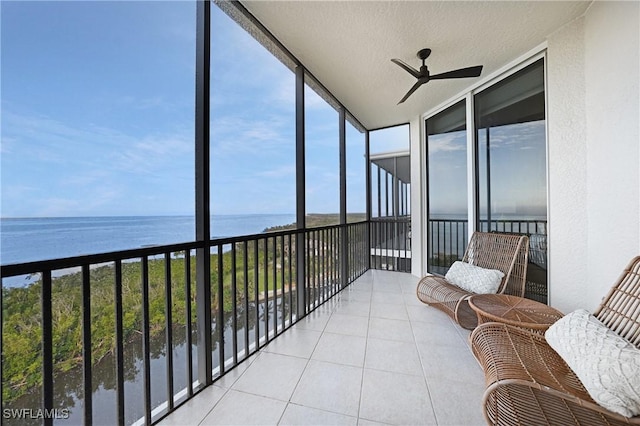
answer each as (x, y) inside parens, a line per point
(372, 355)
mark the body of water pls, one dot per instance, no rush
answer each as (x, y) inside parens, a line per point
(34, 239)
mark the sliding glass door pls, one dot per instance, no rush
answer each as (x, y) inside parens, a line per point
(511, 165)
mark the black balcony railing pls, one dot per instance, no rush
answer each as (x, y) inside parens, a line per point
(115, 335)
(391, 243)
(448, 241)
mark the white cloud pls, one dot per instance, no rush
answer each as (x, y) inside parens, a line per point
(152, 153)
(233, 135)
(528, 135)
(447, 142)
(54, 168)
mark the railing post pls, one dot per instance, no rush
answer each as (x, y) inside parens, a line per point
(47, 345)
(344, 235)
(301, 276)
(202, 164)
(367, 155)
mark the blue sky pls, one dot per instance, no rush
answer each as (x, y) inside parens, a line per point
(97, 116)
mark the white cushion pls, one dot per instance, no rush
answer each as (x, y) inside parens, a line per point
(607, 364)
(474, 278)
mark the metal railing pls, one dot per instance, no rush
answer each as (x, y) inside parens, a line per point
(391, 243)
(448, 241)
(135, 310)
(448, 238)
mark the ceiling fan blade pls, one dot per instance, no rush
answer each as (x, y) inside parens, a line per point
(461, 73)
(407, 68)
(413, 89)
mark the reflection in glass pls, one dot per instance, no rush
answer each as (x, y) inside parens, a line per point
(511, 164)
(447, 187)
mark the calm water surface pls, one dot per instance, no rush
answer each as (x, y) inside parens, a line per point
(33, 239)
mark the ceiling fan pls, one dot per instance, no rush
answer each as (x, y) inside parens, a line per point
(423, 75)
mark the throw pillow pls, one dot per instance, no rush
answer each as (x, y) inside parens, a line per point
(474, 278)
(607, 364)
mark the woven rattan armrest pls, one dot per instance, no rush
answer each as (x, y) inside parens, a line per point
(528, 383)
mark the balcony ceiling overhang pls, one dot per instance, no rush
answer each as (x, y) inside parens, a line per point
(348, 45)
(397, 164)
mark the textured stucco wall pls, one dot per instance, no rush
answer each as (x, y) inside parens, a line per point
(612, 46)
(594, 147)
(567, 161)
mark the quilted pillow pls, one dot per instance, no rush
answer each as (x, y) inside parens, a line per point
(474, 278)
(607, 365)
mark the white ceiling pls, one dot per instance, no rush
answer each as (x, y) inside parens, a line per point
(347, 45)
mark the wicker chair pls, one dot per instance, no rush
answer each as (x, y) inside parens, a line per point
(504, 252)
(528, 383)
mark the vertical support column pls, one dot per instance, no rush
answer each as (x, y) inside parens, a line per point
(367, 159)
(396, 213)
(202, 169)
(473, 172)
(344, 239)
(301, 276)
(488, 154)
(379, 191)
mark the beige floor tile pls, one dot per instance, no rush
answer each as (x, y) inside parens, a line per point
(239, 408)
(390, 329)
(352, 325)
(196, 409)
(341, 349)
(272, 375)
(330, 387)
(298, 342)
(389, 311)
(301, 415)
(396, 399)
(457, 402)
(393, 356)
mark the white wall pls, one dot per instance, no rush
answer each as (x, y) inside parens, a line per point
(594, 151)
(567, 163)
(593, 123)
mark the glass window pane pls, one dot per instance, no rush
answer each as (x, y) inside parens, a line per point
(511, 158)
(447, 187)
